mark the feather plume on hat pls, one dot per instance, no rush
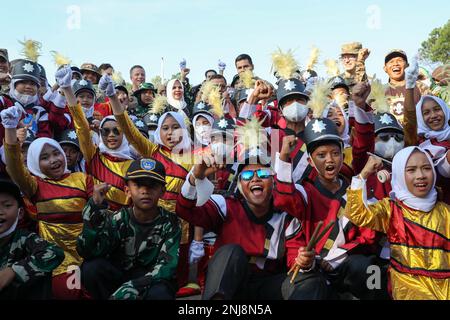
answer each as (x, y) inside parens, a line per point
(284, 64)
(247, 79)
(59, 59)
(319, 97)
(380, 102)
(215, 101)
(313, 58)
(251, 135)
(31, 49)
(159, 104)
(117, 78)
(332, 67)
(206, 89)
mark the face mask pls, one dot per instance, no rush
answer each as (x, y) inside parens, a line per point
(24, 99)
(388, 149)
(222, 150)
(203, 134)
(295, 112)
(11, 229)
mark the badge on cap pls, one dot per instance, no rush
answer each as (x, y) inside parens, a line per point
(148, 164)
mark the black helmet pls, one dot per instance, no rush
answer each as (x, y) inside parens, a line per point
(320, 131)
(26, 70)
(386, 121)
(68, 136)
(290, 87)
(81, 85)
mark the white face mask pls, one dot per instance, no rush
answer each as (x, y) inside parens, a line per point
(24, 99)
(295, 112)
(203, 134)
(11, 229)
(388, 149)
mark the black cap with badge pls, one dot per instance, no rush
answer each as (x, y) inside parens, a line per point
(320, 131)
(68, 136)
(26, 70)
(288, 88)
(386, 121)
(83, 85)
(146, 169)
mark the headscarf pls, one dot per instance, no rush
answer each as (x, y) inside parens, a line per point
(177, 104)
(185, 143)
(424, 129)
(400, 190)
(123, 152)
(345, 136)
(197, 135)
(34, 153)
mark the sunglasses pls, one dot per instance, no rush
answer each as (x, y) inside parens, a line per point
(386, 136)
(107, 131)
(248, 175)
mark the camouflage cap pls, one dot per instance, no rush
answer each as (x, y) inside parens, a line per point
(351, 48)
(395, 53)
(4, 54)
(89, 67)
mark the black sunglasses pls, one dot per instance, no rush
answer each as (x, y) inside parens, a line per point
(107, 131)
(386, 136)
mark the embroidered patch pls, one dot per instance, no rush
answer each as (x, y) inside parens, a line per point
(148, 164)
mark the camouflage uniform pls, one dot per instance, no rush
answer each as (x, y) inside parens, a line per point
(150, 250)
(32, 259)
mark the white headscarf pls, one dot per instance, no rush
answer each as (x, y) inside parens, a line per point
(177, 104)
(123, 152)
(34, 153)
(186, 142)
(424, 129)
(197, 135)
(345, 134)
(400, 190)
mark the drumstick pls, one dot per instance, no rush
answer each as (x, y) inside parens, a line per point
(382, 159)
(324, 231)
(311, 244)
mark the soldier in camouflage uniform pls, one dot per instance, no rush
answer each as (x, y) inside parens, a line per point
(353, 57)
(132, 254)
(26, 260)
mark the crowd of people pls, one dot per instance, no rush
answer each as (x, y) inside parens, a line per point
(314, 187)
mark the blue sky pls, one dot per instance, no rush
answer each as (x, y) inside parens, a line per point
(125, 33)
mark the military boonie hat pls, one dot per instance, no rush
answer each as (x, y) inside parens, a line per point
(395, 53)
(146, 169)
(90, 67)
(4, 54)
(145, 86)
(351, 48)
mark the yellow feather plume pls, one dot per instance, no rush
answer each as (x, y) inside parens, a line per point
(313, 58)
(284, 63)
(319, 98)
(159, 104)
(59, 59)
(341, 99)
(206, 89)
(332, 67)
(117, 78)
(215, 101)
(247, 80)
(251, 135)
(187, 122)
(380, 102)
(31, 49)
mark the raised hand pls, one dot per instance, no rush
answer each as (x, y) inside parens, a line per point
(360, 93)
(106, 84)
(11, 116)
(221, 65)
(64, 77)
(99, 193)
(373, 164)
(411, 74)
(288, 146)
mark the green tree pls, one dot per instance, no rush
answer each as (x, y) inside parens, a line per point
(436, 48)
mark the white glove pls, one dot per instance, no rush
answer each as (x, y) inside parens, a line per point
(183, 64)
(411, 74)
(11, 116)
(106, 84)
(64, 77)
(221, 65)
(196, 251)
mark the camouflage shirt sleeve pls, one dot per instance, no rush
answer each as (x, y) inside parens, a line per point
(99, 236)
(40, 258)
(164, 269)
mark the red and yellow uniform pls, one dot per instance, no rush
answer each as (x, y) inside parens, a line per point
(102, 167)
(59, 205)
(420, 245)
